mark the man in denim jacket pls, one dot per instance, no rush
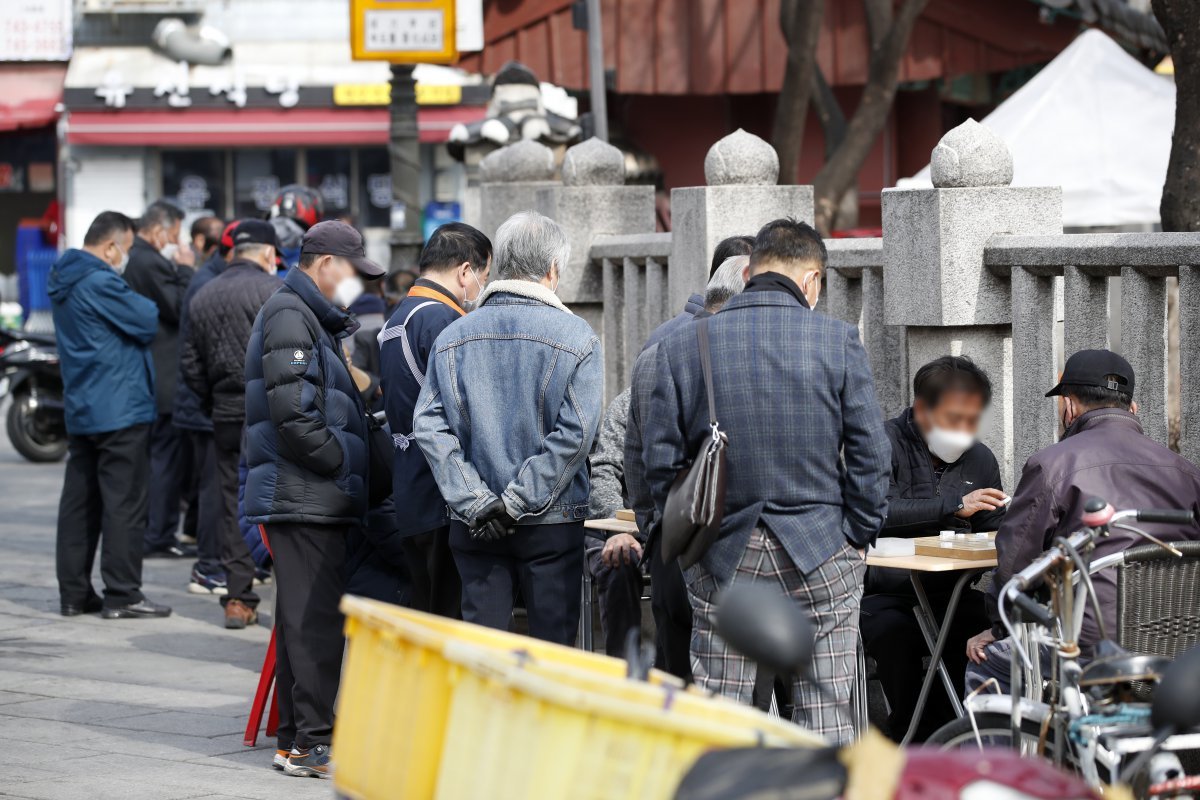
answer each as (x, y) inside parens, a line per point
(510, 408)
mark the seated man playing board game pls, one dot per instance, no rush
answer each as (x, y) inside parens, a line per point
(942, 480)
(1103, 453)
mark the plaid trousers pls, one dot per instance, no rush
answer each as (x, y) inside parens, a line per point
(832, 593)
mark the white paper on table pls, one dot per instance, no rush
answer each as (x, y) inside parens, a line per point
(891, 547)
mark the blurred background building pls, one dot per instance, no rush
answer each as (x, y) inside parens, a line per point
(216, 104)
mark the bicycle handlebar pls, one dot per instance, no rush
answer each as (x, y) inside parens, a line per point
(1170, 516)
(1032, 609)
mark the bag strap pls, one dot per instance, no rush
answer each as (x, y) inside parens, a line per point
(400, 332)
(706, 366)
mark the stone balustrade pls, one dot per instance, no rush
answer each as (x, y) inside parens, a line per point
(634, 270)
(973, 266)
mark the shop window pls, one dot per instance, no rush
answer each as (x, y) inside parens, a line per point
(375, 188)
(195, 180)
(258, 176)
(328, 171)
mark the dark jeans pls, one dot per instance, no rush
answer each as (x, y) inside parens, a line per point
(222, 495)
(208, 515)
(104, 492)
(308, 629)
(620, 591)
(189, 494)
(892, 637)
(436, 587)
(166, 482)
(545, 561)
(672, 614)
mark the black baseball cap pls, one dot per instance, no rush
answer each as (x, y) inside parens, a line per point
(254, 231)
(1093, 368)
(333, 238)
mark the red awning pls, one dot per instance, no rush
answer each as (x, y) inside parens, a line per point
(257, 127)
(30, 94)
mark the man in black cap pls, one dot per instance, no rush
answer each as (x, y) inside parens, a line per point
(1103, 453)
(306, 452)
(213, 365)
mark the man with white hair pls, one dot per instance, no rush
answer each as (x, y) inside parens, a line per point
(507, 416)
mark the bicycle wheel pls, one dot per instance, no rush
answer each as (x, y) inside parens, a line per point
(995, 730)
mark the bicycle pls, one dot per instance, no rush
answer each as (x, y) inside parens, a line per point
(1091, 718)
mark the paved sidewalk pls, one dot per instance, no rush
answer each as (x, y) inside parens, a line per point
(124, 709)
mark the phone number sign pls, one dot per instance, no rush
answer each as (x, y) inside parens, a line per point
(403, 31)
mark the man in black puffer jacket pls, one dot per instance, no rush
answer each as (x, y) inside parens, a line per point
(307, 485)
(213, 363)
(942, 479)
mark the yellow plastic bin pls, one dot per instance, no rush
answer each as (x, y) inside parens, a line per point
(431, 707)
(528, 731)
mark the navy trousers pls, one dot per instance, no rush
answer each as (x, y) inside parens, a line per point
(545, 561)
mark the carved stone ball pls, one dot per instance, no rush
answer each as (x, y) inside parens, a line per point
(525, 160)
(593, 163)
(741, 158)
(971, 155)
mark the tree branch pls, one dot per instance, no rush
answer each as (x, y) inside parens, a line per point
(841, 170)
(829, 112)
(800, 21)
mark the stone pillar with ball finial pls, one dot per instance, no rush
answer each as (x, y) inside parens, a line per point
(742, 194)
(948, 301)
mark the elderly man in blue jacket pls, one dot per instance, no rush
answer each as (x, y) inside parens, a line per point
(510, 408)
(104, 333)
(808, 465)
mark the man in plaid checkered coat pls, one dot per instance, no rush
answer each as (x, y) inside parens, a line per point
(808, 465)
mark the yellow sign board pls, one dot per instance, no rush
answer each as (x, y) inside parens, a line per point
(380, 94)
(403, 31)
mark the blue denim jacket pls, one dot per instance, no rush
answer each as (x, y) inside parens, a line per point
(510, 407)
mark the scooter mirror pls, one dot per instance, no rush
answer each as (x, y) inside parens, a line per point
(1176, 703)
(763, 624)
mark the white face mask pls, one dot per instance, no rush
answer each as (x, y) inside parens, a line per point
(119, 267)
(812, 304)
(347, 291)
(169, 250)
(949, 446)
(471, 305)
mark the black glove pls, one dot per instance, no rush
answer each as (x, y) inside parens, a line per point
(493, 522)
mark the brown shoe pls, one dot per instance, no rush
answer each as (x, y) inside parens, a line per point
(238, 615)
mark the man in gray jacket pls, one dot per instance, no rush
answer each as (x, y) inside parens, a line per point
(808, 465)
(506, 418)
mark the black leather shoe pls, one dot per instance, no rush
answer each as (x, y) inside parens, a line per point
(92, 605)
(143, 609)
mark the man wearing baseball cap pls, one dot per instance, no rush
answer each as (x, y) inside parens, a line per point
(1103, 453)
(307, 455)
(213, 364)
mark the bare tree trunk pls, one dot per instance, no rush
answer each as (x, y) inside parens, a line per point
(1180, 207)
(889, 41)
(800, 21)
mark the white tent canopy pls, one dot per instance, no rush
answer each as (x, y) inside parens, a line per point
(1097, 123)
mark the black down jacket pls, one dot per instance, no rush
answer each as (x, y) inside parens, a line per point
(219, 319)
(188, 413)
(920, 504)
(305, 427)
(164, 282)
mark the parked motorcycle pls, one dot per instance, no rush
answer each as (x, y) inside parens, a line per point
(29, 372)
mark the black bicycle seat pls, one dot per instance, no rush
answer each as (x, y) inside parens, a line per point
(1114, 664)
(814, 774)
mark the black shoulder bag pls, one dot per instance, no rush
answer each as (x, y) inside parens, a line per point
(696, 502)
